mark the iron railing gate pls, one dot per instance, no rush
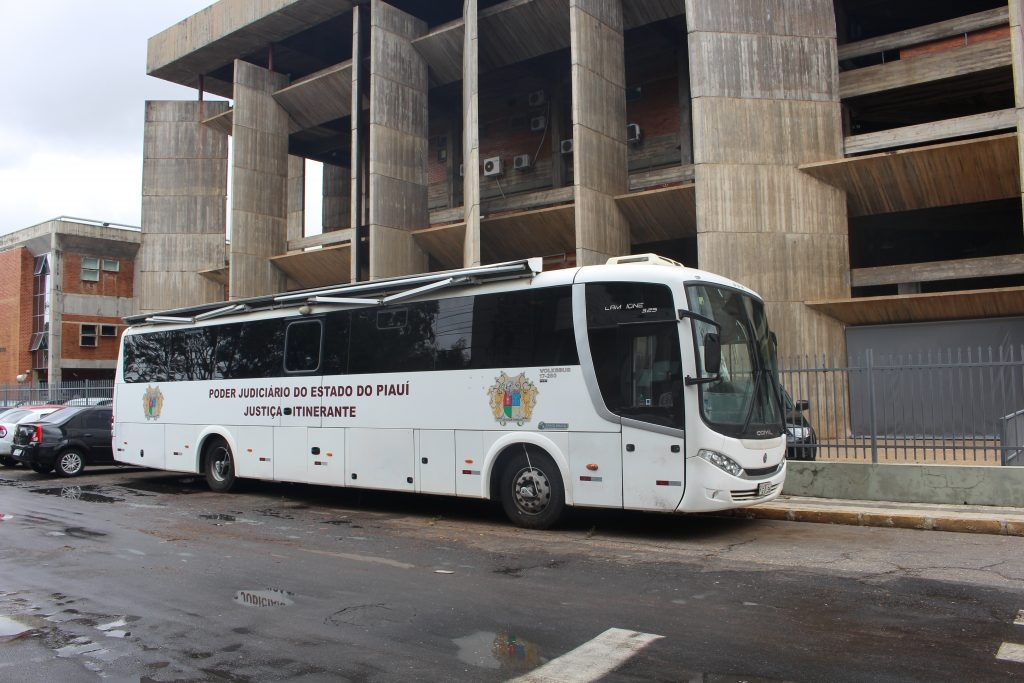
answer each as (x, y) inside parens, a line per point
(958, 406)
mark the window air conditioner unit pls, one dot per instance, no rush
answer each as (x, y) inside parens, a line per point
(565, 146)
(492, 166)
(632, 132)
(538, 123)
(536, 98)
(521, 162)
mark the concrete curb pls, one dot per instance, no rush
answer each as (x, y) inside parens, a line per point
(955, 518)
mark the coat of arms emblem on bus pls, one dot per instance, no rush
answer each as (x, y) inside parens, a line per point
(512, 398)
(152, 403)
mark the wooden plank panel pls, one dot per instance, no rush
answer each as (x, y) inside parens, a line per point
(518, 30)
(444, 243)
(663, 214)
(986, 122)
(326, 239)
(540, 232)
(641, 12)
(320, 97)
(318, 267)
(221, 122)
(905, 308)
(989, 266)
(643, 180)
(442, 50)
(978, 170)
(922, 34)
(925, 69)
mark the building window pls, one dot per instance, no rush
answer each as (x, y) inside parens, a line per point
(90, 269)
(108, 330)
(38, 342)
(87, 336)
(111, 265)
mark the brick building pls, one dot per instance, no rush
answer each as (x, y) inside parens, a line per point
(69, 283)
(854, 161)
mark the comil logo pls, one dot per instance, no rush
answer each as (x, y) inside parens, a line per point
(152, 403)
(512, 399)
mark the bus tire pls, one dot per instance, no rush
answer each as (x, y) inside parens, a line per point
(532, 493)
(219, 465)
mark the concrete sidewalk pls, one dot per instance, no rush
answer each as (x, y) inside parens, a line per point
(974, 519)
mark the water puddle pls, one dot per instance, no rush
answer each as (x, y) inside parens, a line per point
(10, 629)
(82, 532)
(506, 651)
(271, 597)
(86, 494)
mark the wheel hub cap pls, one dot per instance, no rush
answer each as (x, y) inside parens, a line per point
(532, 491)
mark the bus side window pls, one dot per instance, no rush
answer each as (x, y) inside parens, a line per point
(302, 343)
(336, 341)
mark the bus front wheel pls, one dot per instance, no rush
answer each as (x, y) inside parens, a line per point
(220, 466)
(532, 492)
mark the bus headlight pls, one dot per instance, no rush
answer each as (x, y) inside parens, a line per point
(722, 462)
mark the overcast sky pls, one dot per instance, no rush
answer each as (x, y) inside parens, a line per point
(72, 109)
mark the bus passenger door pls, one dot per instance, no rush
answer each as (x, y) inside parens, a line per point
(653, 470)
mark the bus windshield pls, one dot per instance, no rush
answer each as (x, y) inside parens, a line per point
(743, 401)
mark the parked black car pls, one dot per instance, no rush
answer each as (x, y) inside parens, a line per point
(66, 441)
(801, 441)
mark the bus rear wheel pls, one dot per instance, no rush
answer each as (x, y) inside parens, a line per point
(220, 466)
(532, 493)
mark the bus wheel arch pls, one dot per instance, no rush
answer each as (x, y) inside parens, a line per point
(529, 484)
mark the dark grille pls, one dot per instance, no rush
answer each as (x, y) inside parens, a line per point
(762, 472)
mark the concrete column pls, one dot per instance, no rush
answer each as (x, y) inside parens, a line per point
(337, 205)
(765, 85)
(471, 134)
(360, 144)
(184, 219)
(398, 142)
(1017, 47)
(598, 129)
(296, 197)
(259, 167)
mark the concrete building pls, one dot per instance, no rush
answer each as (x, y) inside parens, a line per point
(854, 161)
(68, 285)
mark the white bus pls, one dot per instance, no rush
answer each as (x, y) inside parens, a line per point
(641, 385)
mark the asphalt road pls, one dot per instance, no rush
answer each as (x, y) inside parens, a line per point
(145, 576)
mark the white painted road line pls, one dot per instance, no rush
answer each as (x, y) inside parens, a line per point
(591, 660)
(1011, 652)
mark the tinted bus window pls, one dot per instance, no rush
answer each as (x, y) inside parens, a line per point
(526, 328)
(302, 346)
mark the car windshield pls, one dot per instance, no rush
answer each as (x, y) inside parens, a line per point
(744, 399)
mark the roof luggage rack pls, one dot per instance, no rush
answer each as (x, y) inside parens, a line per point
(372, 293)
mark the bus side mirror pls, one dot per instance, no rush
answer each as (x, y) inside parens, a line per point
(712, 353)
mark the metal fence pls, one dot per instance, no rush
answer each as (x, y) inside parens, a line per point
(87, 390)
(957, 406)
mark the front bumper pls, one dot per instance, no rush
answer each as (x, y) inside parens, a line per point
(709, 489)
